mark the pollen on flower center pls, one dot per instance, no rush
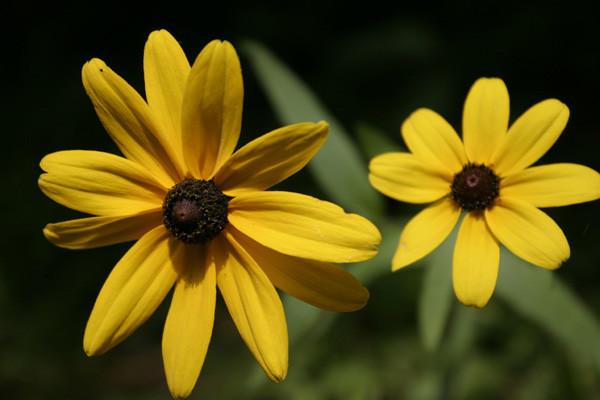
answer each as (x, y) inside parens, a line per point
(475, 187)
(195, 211)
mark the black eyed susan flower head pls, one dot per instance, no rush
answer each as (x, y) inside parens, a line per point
(200, 213)
(489, 176)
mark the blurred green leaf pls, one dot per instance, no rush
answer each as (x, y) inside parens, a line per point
(304, 319)
(371, 270)
(436, 296)
(539, 295)
(374, 142)
(338, 167)
(461, 336)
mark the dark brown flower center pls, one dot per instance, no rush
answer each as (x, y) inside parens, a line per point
(195, 211)
(475, 187)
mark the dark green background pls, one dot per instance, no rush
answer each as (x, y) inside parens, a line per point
(369, 63)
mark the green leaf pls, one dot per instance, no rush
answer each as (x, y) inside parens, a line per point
(369, 271)
(539, 295)
(461, 336)
(436, 297)
(374, 142)
(338, 167)
(435, 301)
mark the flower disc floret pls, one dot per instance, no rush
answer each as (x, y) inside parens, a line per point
(195, 211)
(475, 187)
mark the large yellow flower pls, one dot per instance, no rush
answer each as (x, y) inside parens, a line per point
(488, 176)
(200, 213)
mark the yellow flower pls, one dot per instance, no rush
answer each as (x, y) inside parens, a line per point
(200, 213)
(488, 176)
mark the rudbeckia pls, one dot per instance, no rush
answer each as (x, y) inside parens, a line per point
(488, 175)
(200, 213)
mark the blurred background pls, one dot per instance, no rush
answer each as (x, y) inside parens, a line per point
(370, 65)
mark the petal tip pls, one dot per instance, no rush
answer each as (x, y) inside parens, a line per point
(365, 295)
(400, 261)
(48, 234)
(95, 63)
(558, 264)
(323, 124)
(475, 303)
(279, 377)
(476, 306)
(178, 393)
(406, 256)
(489, 80)
(159, 32)
(90, 348)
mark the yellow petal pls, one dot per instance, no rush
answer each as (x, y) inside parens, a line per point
(190, 320)
(87, 233)
(553, 185)
(134, 289)
(429, 136)
(303, 226)
(212, 109)
(485, 118)
(407, 177)
(323, 285)
(426, 231)
(99, 183)
(476, 261)
(166, 69)
(271, 158)
(254, 305)
(530, 137)
(528, 232)
(128, 120)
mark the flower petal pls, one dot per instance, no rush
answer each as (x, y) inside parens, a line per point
(166, 69)
(254, 305)
(88, 233)
(189, 324)
(324, 285)
(128, 120)
(271, 158)
(407, 177)
(429, 136)
(303, 226)
(476, 261)
(530, 137)
(553, 185)
(99, 183)
(134, 289)
(426, 231)
(485, 118)
(212, 109)
(528, 232)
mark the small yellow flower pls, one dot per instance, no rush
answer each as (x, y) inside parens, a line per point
(488, 176)
(200, 213)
